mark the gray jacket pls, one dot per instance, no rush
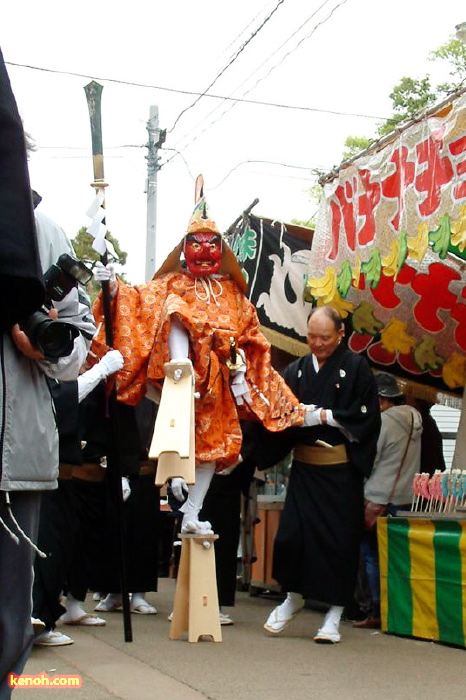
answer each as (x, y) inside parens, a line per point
(28, 433)
(393, 438)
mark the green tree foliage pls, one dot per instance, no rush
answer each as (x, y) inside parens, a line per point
(454, 52)
(82, 244)
(408, 98)
(354, 145)
(412, 95)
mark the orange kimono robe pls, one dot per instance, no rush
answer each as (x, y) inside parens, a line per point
(212, 314)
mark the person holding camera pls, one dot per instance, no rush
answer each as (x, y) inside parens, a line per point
(29, 446)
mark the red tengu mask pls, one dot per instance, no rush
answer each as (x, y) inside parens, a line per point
(203, 253)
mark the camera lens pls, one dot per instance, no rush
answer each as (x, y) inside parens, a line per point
(53, 338)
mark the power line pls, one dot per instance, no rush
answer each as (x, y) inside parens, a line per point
(193, 129)
(266, 162)
(237, 100)
(85, 148)
(192, 92)
(312, 169)
(232, 60)
(177, 153)
(249, 24)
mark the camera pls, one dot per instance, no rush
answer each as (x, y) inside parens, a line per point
(55, 339)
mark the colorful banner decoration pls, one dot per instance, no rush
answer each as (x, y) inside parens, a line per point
(275, 263)
(423, 578)
(389, 251)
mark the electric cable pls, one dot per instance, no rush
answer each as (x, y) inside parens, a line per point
(236, 101)
(230, 63)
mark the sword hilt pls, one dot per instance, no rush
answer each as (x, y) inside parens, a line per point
(234, 361)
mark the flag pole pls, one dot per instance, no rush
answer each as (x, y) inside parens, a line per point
(93, 95)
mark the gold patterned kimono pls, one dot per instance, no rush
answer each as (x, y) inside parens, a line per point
(212, 310)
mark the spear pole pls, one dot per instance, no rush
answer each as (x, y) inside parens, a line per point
(93, 95)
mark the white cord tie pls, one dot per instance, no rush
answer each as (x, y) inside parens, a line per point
(19, 528)
(207, 292)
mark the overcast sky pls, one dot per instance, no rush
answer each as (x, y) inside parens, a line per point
(329, 59)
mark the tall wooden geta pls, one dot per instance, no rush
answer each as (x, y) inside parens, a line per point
(196, 609)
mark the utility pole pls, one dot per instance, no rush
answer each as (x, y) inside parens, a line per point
(156, 139)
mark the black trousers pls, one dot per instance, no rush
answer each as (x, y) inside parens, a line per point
(142, 530)
(16, 561)
(70, 522)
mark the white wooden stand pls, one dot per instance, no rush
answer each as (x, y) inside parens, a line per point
(173, 440)
(196, 608)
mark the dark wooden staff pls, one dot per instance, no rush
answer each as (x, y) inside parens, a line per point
(114, 471)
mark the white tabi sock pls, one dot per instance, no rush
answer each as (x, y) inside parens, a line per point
(74, 609)
(292, 603)
(332, 619)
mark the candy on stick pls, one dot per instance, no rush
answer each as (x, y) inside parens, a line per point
(416, 492)
(446, 479)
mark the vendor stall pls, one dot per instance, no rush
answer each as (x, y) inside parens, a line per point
(423, 577)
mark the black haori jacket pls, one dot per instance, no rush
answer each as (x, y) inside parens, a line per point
(345, 384)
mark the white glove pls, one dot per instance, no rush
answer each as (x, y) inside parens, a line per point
(312, 416)
(110, 363)
(125, 488)
(179, 488)
(106, 273)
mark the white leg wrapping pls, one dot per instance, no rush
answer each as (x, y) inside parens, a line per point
(193, 504)
(178, 340)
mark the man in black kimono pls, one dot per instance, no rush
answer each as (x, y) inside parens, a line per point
(316, 549)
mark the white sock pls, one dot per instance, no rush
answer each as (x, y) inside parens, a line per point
(114, 598)
(74, 608)
(138, 599)
(292, 603)
(332, 619)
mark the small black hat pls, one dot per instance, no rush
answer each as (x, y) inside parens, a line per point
(387, 386)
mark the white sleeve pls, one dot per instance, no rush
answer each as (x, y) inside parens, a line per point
(335, 424)
(89, 380)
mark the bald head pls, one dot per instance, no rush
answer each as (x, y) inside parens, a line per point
(324, 332)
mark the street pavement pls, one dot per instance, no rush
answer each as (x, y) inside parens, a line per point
(248, 664)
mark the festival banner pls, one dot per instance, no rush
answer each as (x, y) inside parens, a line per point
(389, 250)
(275, 263)
(423, 578)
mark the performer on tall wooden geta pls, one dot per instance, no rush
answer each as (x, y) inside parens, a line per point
(194, 320)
